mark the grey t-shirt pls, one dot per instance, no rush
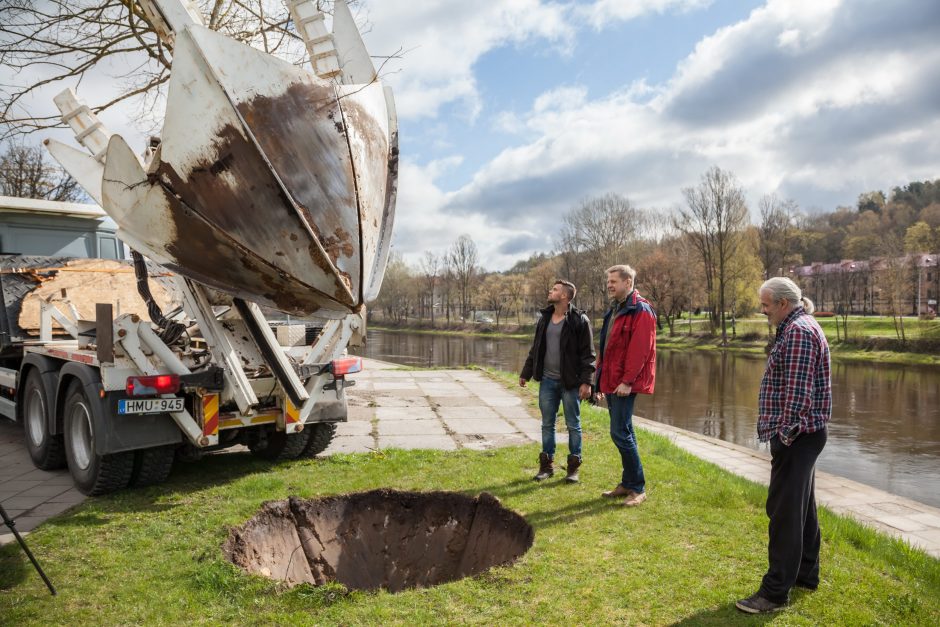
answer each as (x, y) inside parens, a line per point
(552, 367)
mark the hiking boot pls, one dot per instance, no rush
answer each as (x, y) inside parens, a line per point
(574, 462)
(546, 469)
(634, 499)
(757, 604)
(618, 491)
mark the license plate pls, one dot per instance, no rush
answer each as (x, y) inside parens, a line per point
(150, 405)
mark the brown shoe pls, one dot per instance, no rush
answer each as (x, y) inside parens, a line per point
(574, 462)
(546, 467)
(616, 492)
(634, 499)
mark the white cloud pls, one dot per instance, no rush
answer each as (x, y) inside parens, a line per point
(422, 225)
(846, 104)
(441, 40)
(602, 12)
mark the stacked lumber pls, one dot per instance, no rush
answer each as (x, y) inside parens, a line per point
(62, 281)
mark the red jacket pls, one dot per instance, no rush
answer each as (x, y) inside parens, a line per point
(631, 355)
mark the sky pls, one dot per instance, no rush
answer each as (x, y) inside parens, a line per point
(513, 112)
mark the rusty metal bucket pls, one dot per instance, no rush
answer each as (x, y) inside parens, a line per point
(270, 184)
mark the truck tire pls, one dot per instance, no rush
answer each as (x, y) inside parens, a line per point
(321, 434)
(93, 474)
(47, 450)
(152, 465)
(280, 446)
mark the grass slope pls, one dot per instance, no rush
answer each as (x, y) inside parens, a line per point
(153, 556)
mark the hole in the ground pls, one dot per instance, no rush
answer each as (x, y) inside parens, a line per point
(379, 539)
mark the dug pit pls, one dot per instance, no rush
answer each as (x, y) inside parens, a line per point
(379, 539)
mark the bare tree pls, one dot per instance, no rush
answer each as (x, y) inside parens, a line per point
(538, 280)
(775, 234)
(714, 221)
(398, 289)
(661, 275)
(893, 275)
(53, 41)
(431, 267)
(594, 236)
(494, 294)
(24, 173)
(462, 259)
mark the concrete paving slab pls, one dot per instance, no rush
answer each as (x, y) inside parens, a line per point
(361, 414)
(439, 442)
(464, 426)
(404, 413)
(351, 444)
(471, 413)
(394, 385)
(360, 427)
(502, 400)
(410, 427)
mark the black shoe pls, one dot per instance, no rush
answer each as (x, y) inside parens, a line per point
(757, 604)
(806, 585)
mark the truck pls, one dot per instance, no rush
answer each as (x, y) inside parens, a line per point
(259, 224)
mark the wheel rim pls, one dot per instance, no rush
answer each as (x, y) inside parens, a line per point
(80, 435)
(35, 417)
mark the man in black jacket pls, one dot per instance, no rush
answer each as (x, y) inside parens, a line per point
(562, 360)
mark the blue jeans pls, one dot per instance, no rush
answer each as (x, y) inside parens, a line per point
(621, 432)
(551, 394)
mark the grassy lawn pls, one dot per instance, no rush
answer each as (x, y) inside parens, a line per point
(153, 556)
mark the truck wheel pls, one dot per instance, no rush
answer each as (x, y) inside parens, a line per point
(45, 449)
(280, 446)
(152, 465)
(93, 474)
(321, 434)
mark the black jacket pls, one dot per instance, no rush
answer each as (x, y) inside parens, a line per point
(577, 349)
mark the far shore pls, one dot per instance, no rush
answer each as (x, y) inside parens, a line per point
(865, 345)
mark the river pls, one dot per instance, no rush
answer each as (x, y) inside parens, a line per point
(885, 429)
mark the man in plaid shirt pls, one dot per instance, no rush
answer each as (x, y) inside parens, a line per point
(795, 405)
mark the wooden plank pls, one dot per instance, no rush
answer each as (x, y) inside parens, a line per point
(82, 282)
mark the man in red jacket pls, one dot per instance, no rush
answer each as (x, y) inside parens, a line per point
(627, 367)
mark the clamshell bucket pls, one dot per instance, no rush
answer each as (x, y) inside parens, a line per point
(270, 183)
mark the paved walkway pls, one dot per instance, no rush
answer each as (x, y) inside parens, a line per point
(452, 409)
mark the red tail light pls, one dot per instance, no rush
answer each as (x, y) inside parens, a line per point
(346, 365)
(153, 385)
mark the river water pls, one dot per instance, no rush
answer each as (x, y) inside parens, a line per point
(885, 429)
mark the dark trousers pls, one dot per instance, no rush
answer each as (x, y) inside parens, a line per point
(621, 432)
(793, 549)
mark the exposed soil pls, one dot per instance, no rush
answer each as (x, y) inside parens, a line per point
(379, 539)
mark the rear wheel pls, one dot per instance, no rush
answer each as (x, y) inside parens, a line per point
(45, 449)
(279, 445)
(152, 465)
(321, 434)
(93, 474)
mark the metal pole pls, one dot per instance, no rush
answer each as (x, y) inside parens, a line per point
(12, 525)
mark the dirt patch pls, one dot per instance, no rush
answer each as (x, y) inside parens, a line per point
(379, 539)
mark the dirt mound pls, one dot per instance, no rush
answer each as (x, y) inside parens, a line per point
(379, 539)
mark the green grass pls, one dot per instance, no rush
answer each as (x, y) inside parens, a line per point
(153, 556)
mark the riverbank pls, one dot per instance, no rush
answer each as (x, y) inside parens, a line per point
(748, 342)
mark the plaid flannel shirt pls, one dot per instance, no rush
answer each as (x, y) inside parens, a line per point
(796, 388)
